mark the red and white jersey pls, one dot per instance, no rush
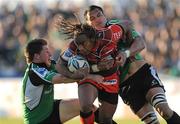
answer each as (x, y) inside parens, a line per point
(105, 47)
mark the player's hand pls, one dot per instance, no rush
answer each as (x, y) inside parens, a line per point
(80, 73)
(105, 64)
(96, 78)
(121, 58)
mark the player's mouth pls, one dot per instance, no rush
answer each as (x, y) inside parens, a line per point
(49, 60)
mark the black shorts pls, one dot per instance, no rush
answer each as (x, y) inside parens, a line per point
(54, 117)
(133, 90)
(111, 98)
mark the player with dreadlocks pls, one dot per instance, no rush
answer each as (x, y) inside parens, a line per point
(95, 46)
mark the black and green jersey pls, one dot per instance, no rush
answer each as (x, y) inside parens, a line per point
(37, 92)
(124, 44)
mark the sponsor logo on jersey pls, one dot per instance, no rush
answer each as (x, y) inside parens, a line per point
(155, 82)
(48, 90)
(117, 32)
(110, 82)
(42, 71)
(117, 35)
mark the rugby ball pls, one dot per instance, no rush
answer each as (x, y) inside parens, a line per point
(76, 62)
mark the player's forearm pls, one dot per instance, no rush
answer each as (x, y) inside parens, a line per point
(137, 46)
(96, 78)
(58, 79)
(90, 76)
(62, 69)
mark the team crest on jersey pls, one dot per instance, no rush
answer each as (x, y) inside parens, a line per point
(154, 82)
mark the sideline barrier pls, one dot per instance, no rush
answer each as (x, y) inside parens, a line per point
(10, 96)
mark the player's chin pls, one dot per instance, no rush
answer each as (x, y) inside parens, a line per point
(48, 63)
(99, 26)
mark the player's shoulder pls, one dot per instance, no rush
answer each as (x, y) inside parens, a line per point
(40, 71)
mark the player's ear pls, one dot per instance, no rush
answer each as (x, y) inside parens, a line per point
(93, 40)
(36, 56)
(88, 21)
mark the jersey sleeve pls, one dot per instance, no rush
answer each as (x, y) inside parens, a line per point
(112, 33)
(133, 34)
(122, 23)
(41, 75)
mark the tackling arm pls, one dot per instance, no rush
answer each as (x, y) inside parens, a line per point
(78, 75)
(137, 46)
(62, 69)
(134, 43)
(58, 78)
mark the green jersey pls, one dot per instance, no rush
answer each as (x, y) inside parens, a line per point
(37, 92)
(124, 44)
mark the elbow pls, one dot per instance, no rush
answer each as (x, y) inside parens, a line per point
(58, 68)
(143, 44)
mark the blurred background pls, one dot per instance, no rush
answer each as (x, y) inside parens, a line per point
(22, 20)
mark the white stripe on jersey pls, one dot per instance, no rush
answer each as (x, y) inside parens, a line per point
(32, 94)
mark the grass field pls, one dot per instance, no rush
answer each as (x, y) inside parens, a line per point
(73, 121)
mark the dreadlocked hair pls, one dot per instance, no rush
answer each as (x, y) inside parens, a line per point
(76, 31)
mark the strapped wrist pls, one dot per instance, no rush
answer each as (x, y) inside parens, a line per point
(127, 52)
(95, 68)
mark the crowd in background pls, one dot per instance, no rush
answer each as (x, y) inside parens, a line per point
(156, 20)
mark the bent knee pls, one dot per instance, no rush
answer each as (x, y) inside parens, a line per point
(87, 108)
(164, 111)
